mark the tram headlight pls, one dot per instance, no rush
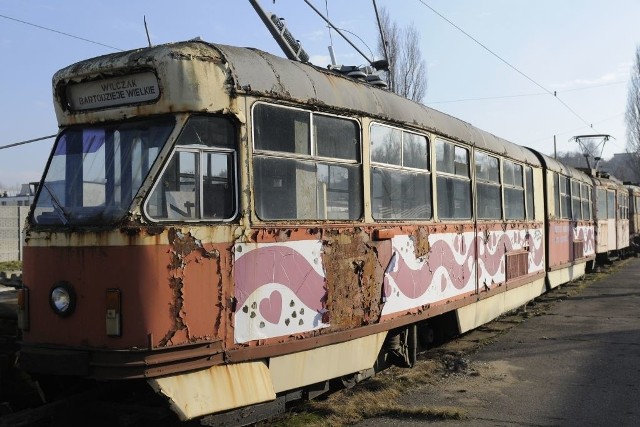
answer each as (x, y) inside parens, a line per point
(62, 299)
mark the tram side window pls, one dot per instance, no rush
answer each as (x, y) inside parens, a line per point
(611, 204)
(306, 165)
(489, 193)
(565, 197)
(623, 206)
(528, 177)
(400, 176)
(199, 183)
(601, 199)
(586, 202)
(576, 201)
(513, 190)
(454, 185)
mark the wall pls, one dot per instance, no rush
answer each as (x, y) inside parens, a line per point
(12, 220)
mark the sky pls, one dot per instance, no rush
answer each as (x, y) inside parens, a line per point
(493, 63)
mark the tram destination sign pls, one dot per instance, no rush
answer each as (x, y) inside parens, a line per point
(129, 89)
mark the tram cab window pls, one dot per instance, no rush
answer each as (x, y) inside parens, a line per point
(400, 176)
(453, 182)
(96, 171)
(306, 165)
(489, 194)
(199, 182)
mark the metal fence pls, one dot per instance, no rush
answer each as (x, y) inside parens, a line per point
(12, 219)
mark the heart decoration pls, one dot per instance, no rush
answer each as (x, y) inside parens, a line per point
(271, 308)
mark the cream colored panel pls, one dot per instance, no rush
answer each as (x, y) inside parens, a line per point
(218, 388)
(564, 275)
(479, 313)
(320, 364)
(484, 311)
(523, 294)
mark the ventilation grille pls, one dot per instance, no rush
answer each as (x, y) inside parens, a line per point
(517, 264)
(578, 249)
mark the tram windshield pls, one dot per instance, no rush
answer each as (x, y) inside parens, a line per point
(96, 171)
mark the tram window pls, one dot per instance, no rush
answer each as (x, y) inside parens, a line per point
(454, 191)
(400, 178)
(386, 145)
(95, 172)
(199, 181)
(337, 138)
(623, 206)
(586, 202)
(414, 151)
(323, 181)
(489, 194)
(400, 194)
(576, 202)
(611, 204)
(217, 181)
(208, 131)
(601, 199)
(513, 190)
(528, 175)
(281, 129)
(296, 189)
(565, 205)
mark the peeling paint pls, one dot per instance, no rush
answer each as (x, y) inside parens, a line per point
(354, 279)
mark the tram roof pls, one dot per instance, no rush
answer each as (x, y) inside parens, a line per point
(278, 77)
(553, 165)
(252, 71)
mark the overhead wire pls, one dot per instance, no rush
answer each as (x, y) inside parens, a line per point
(549, 92)
(60, 32)
(15, 144)
(523, 95)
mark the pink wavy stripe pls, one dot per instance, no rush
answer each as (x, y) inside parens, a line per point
(538, 253)
(414, 283)
(492, 262)
(588, 238)
(282, 265)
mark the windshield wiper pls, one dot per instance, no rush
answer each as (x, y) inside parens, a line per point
(57, 207)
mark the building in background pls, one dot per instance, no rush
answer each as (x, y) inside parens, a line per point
(14, 209)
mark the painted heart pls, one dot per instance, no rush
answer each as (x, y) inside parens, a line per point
(271, 308)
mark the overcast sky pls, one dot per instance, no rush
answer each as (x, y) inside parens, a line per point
(580, 49)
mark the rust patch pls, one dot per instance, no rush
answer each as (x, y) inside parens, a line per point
(420, 239)
(354, 277)
(205, 298)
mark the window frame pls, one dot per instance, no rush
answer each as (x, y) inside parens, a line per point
(488, 182)
(199, 151)
(401, 170)
(514, 185)
(468, 179)
(311, 158)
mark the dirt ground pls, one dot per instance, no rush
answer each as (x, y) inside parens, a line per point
(546, 364)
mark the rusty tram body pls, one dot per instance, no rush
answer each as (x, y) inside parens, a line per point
(233, 227)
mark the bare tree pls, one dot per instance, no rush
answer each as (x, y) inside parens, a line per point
(407, 75)
(632, 116)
